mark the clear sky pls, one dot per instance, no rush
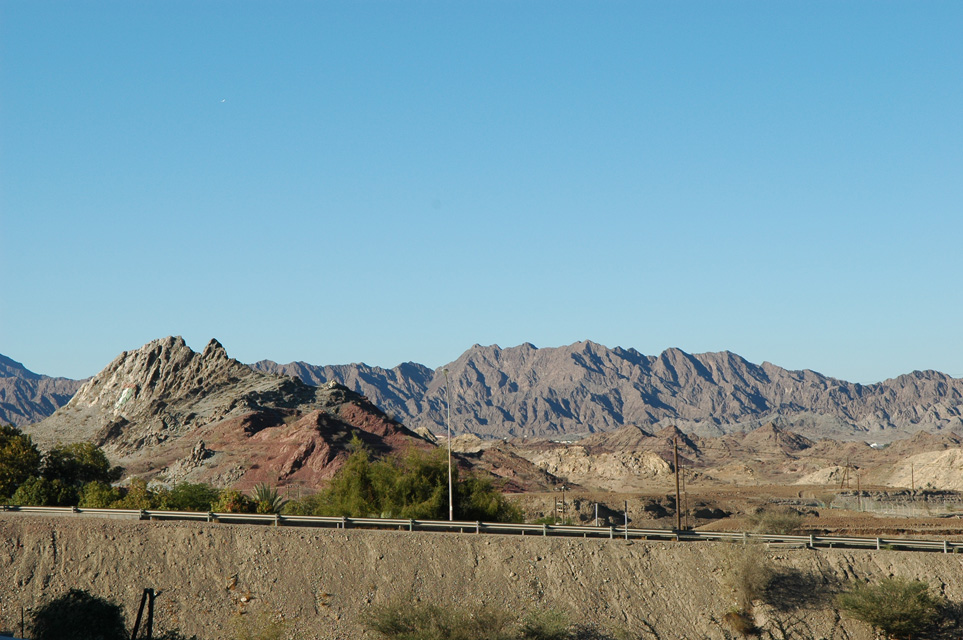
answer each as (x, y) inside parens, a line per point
(375, 181)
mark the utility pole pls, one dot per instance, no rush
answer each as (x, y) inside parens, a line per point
(678, 501)
(451, 499)
(685, 497)
(859, 493)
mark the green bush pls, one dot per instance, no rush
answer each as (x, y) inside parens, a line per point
(188, 497)
(138, 495)
(19, 459)
(267, 499)
(41, 492)
(77, 464)
(77, 615)
(902, 609)
(99, 495)
(231, 501)
(411, 486)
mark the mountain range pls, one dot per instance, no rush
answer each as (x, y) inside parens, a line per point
(27, 397)
(584, 388)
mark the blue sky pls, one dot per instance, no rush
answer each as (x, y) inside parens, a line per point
(390, 181)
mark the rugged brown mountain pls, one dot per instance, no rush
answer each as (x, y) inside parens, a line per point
(27, 397)
(168, 412)
(585, 388)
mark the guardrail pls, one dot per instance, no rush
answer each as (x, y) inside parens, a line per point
(608, 533)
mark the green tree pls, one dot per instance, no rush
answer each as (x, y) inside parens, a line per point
(188, 497)
(137, 495)
(41, 492)
(902, 609)
(77, 615)
(411, 486)
(99, 495)
(231, 501)
(19, 459)
(77, 464)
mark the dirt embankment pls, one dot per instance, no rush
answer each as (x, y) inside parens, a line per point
(323, 581)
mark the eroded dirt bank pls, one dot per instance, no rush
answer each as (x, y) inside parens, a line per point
(324, 580)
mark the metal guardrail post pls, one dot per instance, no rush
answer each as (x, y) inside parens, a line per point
(812, 541)
(477, 526)
(544, 530)
(611, 533)
(210, 516)
(344, 522)
(946, 548)
(411, 525)
(277, 519)
(877, 544)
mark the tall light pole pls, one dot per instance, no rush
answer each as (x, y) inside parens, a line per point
(451, 501)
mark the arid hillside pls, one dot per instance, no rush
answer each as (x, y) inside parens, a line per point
(586, 387)
(212, 577)
(27, 397)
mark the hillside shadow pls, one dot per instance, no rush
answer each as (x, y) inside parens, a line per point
(792, 589)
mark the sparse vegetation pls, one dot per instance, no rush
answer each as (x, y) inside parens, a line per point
(747, 573)
(403, 619)
(776, 521)
(901, 609)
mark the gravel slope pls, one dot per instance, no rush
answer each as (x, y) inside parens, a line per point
(323, 581)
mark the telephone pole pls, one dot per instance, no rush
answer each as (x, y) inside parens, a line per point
(451, 499)
(678, 501)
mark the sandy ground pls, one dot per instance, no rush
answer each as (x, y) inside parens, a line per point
(324, 581)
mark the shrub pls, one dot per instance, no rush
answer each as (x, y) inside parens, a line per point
(550, 624)
(77, 464)
(741, 622)
(137, 496)
(98, 495)
(231, 501)
(19, 459)
(776, 521)
(188, 497)
(900, 608)
(407, 620)
(267, 499)
(77, 615)
(747, 572)
(412, 486)
(261, 626)
(41, 492)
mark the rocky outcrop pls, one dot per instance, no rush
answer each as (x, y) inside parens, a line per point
(586, 388)
(27, 397)
(164, 411)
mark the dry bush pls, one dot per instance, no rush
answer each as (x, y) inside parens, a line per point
(747, 572)
(741, 622)
(403, 619)
(776, 521)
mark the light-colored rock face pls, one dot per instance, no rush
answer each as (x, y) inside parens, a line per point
(164, 411)
(617, 471)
